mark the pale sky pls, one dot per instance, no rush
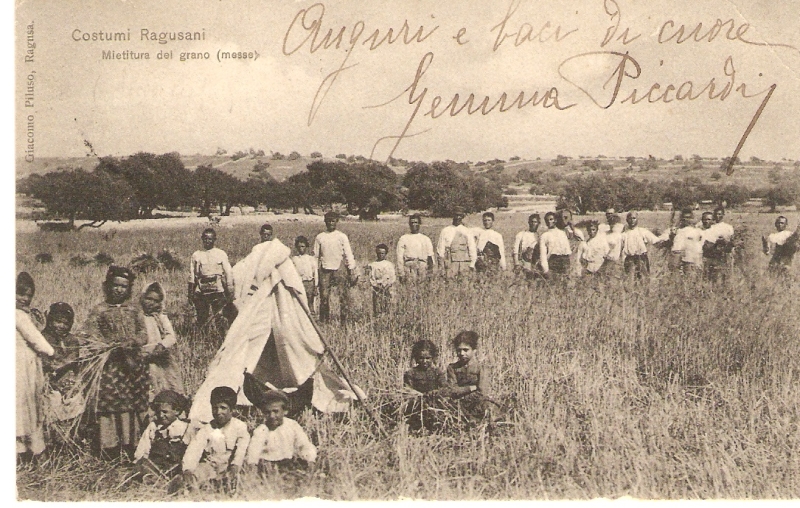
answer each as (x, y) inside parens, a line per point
(125, 106)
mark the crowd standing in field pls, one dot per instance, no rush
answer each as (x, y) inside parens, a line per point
(141, 371)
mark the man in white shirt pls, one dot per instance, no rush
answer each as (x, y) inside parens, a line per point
(456, 247)
(592, 253)
(555, 249)
(331, 247)
(633, 246)
(210, 288)
(414, 252)
(717, 247)
(688, 243)
(490, 246)
(781, 246)
(525, 254)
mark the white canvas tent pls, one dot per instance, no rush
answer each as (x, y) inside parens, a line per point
(273, 337)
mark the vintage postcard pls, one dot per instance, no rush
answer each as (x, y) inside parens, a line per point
(443, 250)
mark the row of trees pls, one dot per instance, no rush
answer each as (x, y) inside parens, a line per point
(594, 193)
(136, 186)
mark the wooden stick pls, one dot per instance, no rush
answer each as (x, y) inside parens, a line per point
(338, 364)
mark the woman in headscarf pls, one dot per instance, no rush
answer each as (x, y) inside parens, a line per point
(120, 405)
(165, 372)
(30, 378)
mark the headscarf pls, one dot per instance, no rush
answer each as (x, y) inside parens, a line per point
(25, 281)
(118, 271)
(156, 287)
(62, 310)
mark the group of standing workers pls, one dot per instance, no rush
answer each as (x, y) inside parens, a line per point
(587, 248)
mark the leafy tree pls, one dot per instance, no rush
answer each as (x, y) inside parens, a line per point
(730, 195)
(316, 155)
(782, 195)
(77, 194)
(215, 187)
(157, 180)
(293, 156)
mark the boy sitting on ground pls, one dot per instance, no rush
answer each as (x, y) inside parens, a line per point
(279, 441)
(163, 443)
(217, 450)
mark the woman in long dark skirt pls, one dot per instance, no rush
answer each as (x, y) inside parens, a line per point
(121, 403)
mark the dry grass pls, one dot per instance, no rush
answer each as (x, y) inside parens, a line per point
(666, 390)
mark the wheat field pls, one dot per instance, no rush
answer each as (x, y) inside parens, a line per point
(673, 389)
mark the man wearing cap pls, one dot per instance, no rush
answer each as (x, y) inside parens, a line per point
(414, 252)
(331, 247)
(633, 246)
(456, 247)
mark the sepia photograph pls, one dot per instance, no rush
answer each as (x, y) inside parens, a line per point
(431, 250)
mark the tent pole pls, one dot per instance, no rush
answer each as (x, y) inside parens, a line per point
(339, 366)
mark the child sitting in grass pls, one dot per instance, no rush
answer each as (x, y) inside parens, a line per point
(468, 379)
(279, 441)
(426, 381)
(163, 443)
(217, 450)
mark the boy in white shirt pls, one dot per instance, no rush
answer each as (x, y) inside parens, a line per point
(382, 277)
(164, 441)
(307, 267)
(217, 450)
(279, 441)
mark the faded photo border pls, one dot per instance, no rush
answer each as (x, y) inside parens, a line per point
(372, 103)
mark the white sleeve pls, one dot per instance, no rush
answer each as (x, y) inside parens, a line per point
(401, 248)
(678, 243)
(256, 445)
(543, 254)
(515, 254)
(32, 336)
(143, 448)
(303, 446)
(502, 246)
